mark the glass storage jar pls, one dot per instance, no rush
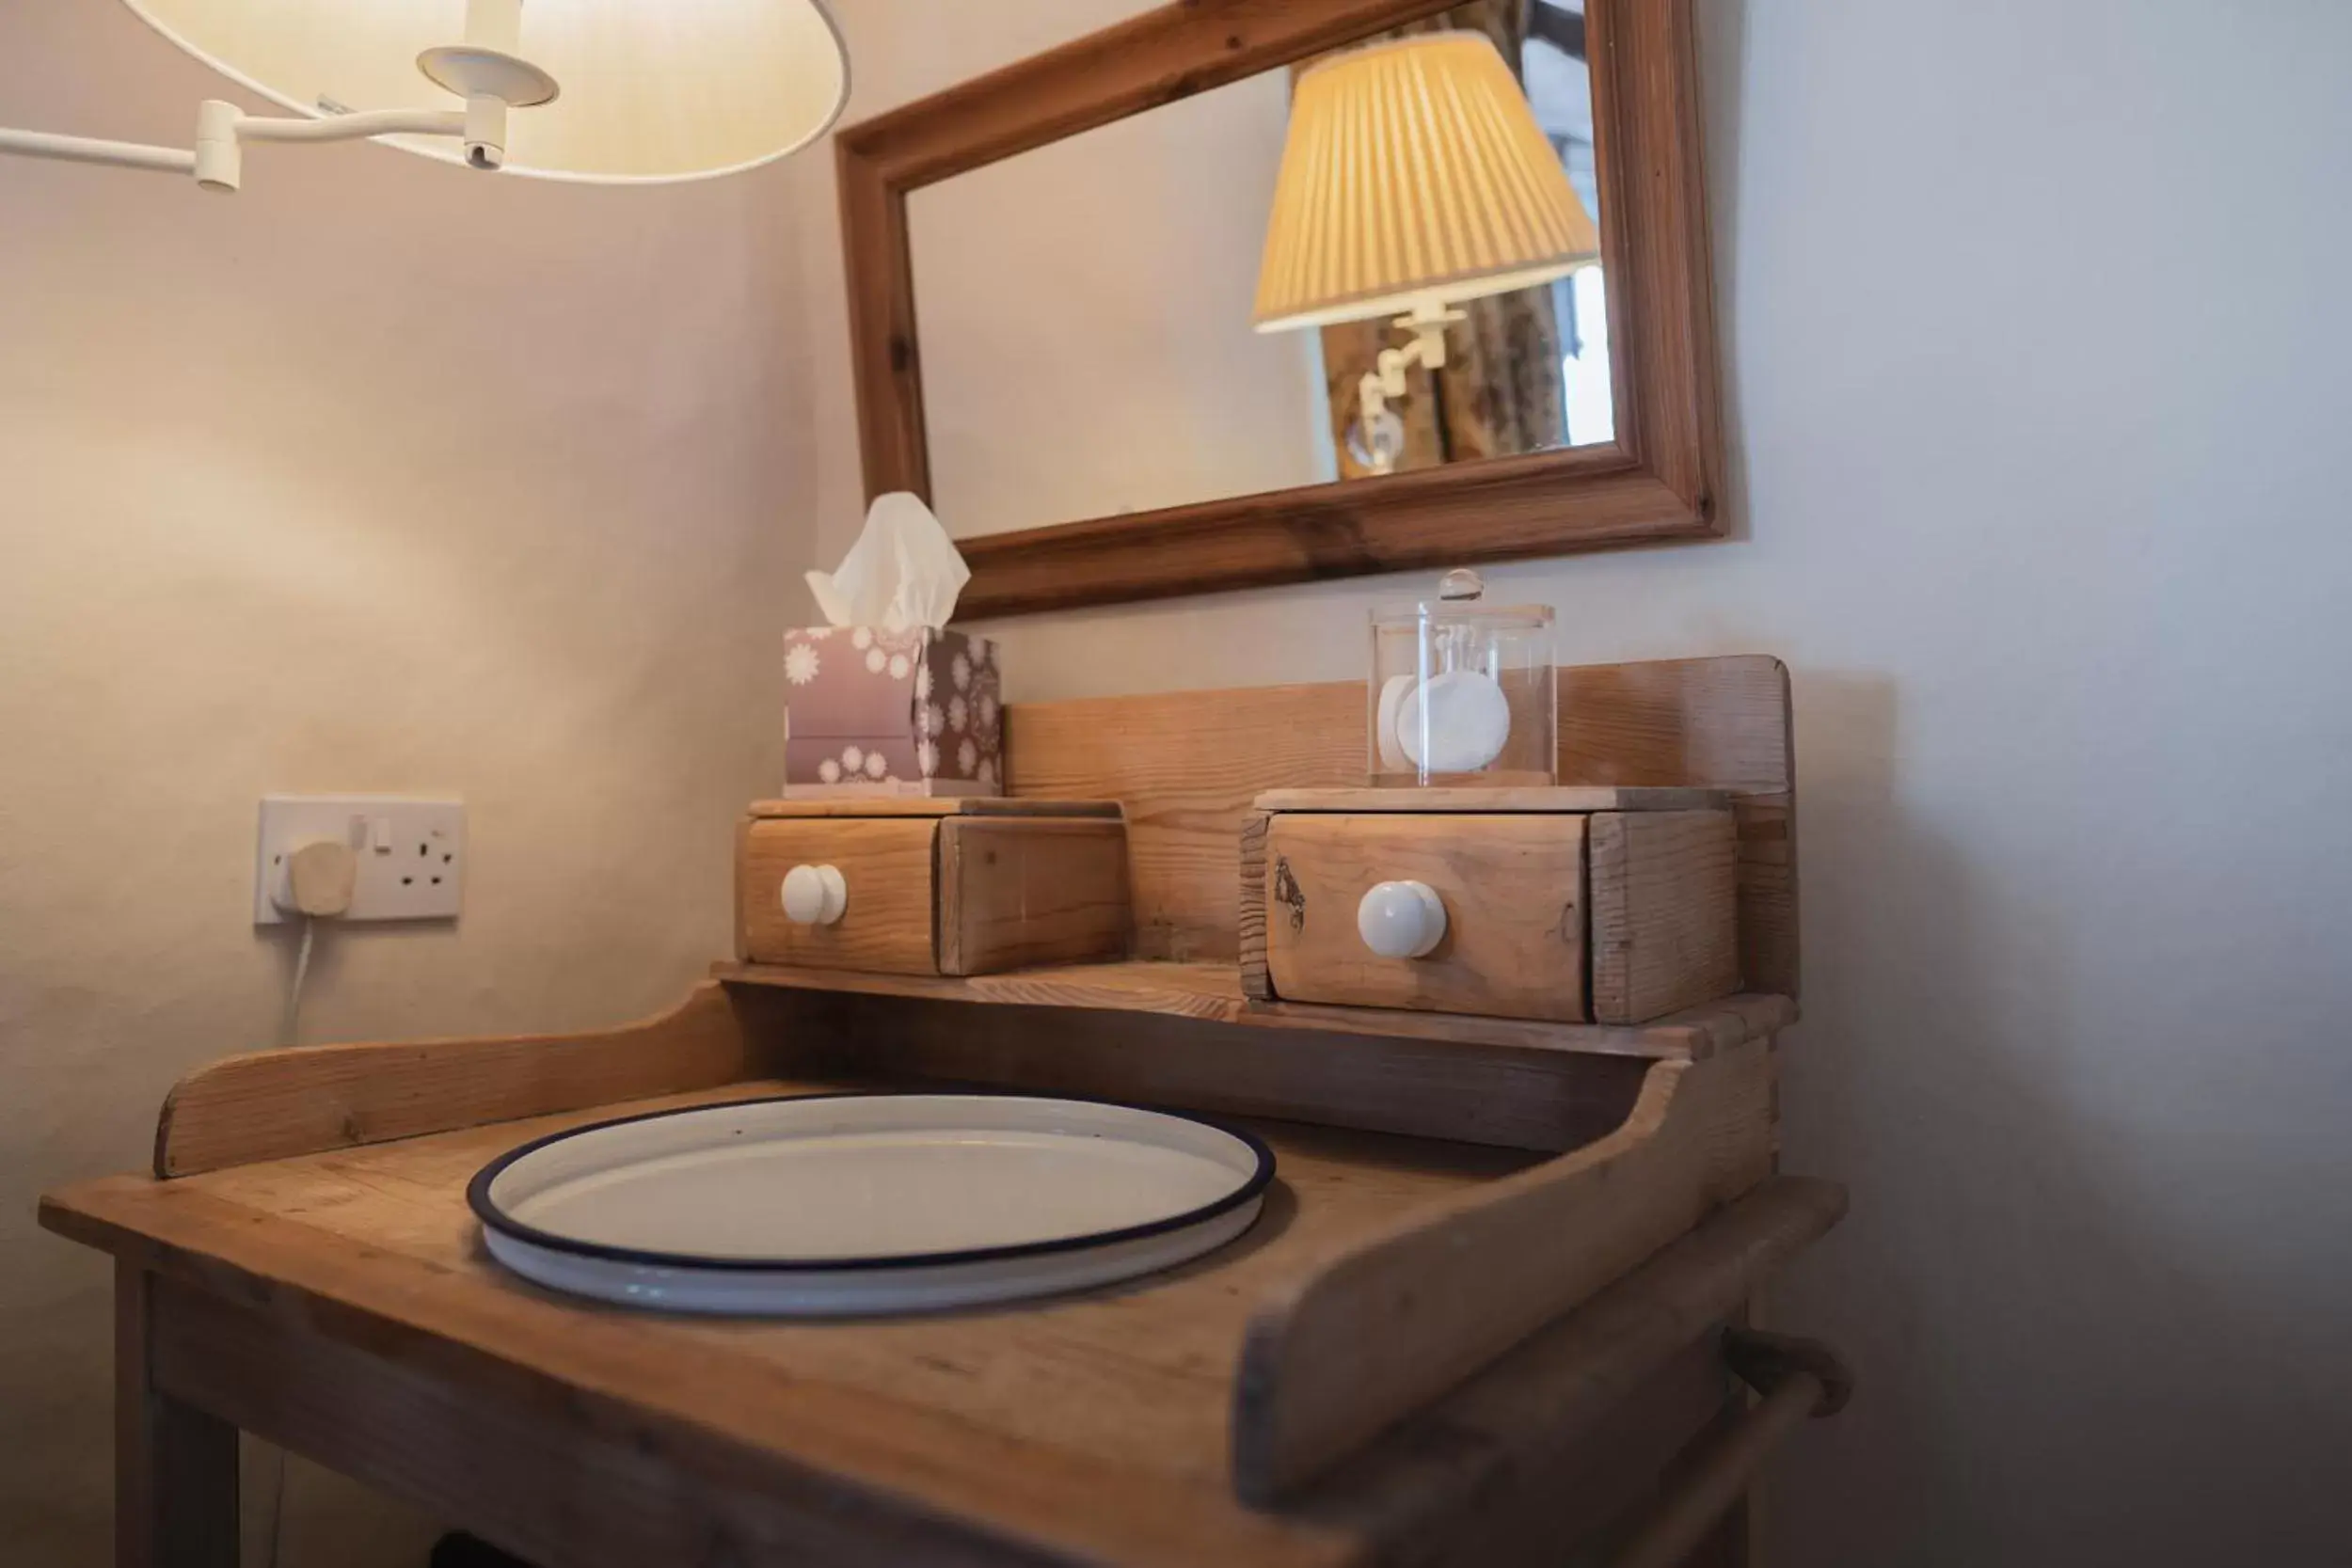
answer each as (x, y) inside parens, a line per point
(1462, 692)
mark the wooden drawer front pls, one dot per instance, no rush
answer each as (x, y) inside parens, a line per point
(888, 867)
(1514, 893)
(1015, 891)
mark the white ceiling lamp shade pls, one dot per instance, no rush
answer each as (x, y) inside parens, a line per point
(651, 89)
(603, 91)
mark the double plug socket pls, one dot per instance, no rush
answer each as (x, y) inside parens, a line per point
(411, 854)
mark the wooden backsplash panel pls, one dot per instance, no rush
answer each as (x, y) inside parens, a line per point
(1722, 722)
(1188, 764)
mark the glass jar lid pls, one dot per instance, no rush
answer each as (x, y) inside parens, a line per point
(1460, 600)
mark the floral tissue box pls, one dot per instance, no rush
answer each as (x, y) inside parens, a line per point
(870, 712)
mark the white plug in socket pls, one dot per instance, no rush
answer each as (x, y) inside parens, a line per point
(411, 854)
(321, 877)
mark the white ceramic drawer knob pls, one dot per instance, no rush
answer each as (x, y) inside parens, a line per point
(815, 894)
(1402, 920)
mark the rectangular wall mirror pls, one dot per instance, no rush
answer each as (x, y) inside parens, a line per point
(1232, 295)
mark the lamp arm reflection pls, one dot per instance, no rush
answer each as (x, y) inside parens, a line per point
(1382, 444)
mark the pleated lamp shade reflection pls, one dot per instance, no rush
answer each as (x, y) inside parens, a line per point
(653, 90)
(1414, 175)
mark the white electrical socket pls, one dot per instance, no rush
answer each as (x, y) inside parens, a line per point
(411, 853)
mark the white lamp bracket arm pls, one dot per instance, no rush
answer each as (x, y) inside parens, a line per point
(483, 71)
(1426, 348)
(222, 130)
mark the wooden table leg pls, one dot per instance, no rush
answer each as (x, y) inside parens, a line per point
(175, 1466)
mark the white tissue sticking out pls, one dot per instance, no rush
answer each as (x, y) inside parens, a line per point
(1467, 722)
(903, 573)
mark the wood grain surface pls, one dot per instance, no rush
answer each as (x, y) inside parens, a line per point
(888, 864)
(1647, 149)
(1504, 1095)
(1468, 1500)
(1016, 890)
(1074, 1030)
(944, 805)
(267, 1105)
(1554, 798)
(1513, 887)
(1398, 1318)
(1566, 502)
(1187, 767)
(1257, 981)
(624, 1491)
(1665, 922)
(1212, 993)
(885, 357)
(175, 1464)
(1724, 722)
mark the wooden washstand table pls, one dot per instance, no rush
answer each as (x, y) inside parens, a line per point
(1486, 1320)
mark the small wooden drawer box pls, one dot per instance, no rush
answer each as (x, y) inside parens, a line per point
(970, 886)
(1575, 905)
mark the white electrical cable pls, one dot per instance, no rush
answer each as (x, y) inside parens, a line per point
(289, 1027)
(319, 885)
(272, 1502)
(321, 878)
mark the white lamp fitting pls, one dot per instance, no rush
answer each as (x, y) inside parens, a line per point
(1383, 434)
(485, 70)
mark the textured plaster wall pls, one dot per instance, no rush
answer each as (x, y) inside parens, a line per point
(376, 476)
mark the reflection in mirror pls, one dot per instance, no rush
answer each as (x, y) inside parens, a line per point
(1173, 308)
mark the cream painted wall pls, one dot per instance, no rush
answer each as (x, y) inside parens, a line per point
(377, 476)
(2035, 329)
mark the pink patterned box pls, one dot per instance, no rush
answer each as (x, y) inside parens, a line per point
(871, 712)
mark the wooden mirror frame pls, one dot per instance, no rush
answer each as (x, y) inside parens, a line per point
(1655, 482)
